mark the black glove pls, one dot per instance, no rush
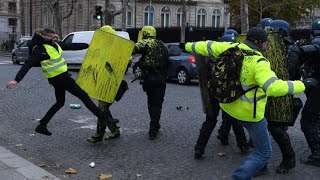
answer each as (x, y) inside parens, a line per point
(310, 83)
(182, 46)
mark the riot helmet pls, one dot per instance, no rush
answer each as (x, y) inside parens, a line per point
(231, 31)
(315, 28)
(228, 38)
(265, 22)
(108, 29)
(280, 26)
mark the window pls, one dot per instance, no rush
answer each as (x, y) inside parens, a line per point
(12, 7)
(216, 16)
(45, 16)
(148, 16)
(165, 17)
(68, 40)
(179, 17)
(129, 16)
(113, 9)
(201, 17)
(80, 15)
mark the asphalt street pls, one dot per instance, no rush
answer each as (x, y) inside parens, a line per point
(133, 155)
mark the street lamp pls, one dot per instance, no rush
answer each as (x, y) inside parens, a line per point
(226, 12)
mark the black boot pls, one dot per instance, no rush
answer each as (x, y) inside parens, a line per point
(223, 139)
(313, 160)
(286, 164)
(198, 154)
(245, 148)
(42, 129)
(95, 138)
(153, 134)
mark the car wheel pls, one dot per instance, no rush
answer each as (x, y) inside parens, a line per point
(183, 76)
(15, 59)
(136, 71)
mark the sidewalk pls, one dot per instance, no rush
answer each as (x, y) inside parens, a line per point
(13, 167)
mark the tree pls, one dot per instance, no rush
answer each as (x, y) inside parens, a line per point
(184, 21)
(22, 17)
(1, 3)
(55, 10)
(244, 15)
(109, 13)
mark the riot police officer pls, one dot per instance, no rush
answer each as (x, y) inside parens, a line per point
(308, 56)
(153, 64)
(277, 125)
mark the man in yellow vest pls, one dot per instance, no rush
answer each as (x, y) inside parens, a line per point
(250, 107)
(46, 52)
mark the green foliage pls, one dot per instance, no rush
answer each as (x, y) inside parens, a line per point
(288, 10)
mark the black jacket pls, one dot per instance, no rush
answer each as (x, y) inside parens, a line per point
(37, 53)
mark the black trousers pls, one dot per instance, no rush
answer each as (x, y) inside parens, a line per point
(208, 126)
(310, 121)
(237, 128)
(280, 135)
(61, 84)
(155, 87)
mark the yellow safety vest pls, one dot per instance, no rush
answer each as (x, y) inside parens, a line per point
(250, 106)
(56, 64)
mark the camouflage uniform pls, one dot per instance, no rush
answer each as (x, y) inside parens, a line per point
(153, 64)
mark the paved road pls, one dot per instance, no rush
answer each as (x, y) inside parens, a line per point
(132, 156)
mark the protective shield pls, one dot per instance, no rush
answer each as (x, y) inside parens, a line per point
(203, 68)
(140, 36)
(104, 65)
(279, 109)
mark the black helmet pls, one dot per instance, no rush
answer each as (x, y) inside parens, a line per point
(280, 26)
(231, 31)
(315, 28)
(265, 22)
(257, 35)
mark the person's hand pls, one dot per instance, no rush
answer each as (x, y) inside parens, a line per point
(11, 84)
(310, 83)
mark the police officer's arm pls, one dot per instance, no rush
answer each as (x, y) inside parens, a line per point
(294, 62)
(73, 46)
(139, 48)
(271, 85)
(208, 48)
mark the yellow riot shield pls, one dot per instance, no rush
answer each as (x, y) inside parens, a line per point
(104, 65)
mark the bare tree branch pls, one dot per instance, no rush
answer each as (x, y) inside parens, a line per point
(71, 9)
(2, 2)
(120, 10)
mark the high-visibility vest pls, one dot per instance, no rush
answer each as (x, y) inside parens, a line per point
(56, 64)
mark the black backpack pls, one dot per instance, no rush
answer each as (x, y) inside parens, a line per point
(224, 79)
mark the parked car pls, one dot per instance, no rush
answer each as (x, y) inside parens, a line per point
(182, 66)
(20, 53)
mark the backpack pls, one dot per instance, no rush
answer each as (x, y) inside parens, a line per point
(224, 77)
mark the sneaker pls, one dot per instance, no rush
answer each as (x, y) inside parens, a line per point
(311, 160)
(262, 171)
(198, 155)
(42, 129)
(224, 141)
(153, 135)
(112, 135)
(245, 149)
(95, 139)
(286, 165)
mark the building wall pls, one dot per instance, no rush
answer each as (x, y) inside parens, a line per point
(8, 32)
(87, 22)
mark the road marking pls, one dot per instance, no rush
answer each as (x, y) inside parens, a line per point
(6, 62)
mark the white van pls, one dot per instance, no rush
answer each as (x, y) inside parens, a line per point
(74, 58)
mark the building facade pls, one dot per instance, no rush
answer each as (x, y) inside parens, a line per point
(158, 13)
(9, 20)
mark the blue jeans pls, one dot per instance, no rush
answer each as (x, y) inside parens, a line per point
(259, 134)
